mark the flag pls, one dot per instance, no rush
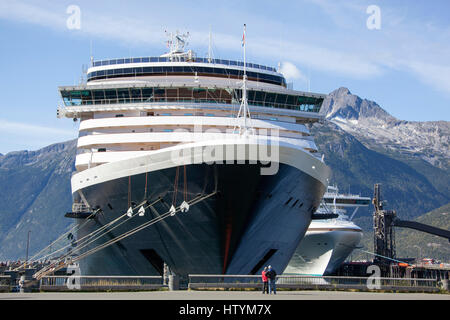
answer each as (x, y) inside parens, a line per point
(243, 37)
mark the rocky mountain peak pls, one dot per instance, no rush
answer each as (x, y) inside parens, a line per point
(342, 104)
(372, 125)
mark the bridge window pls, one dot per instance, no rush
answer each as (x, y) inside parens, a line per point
(193, 94)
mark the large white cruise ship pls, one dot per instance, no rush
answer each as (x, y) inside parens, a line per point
(213, 147)
(329, 242)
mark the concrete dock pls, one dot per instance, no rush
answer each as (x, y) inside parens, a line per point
(223, 295)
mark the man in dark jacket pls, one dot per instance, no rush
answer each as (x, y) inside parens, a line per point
(272, 275)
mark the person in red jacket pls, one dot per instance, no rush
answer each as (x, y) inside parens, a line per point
(264, 279)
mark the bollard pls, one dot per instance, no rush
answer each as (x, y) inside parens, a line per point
(444, 284)
(21, 283)
(166, 274)
(174, 282)
(29, 272)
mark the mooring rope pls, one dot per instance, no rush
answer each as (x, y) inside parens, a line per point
(90, 235)
(90, 240)
(60, 263)
(175, 187)
(74, 229)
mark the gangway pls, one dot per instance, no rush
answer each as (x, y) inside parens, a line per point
(422, 227)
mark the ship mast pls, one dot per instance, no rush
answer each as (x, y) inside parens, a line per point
(209, 46)
(243, 110)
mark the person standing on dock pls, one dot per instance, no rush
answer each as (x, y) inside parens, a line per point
(265, 280)
(272, 275)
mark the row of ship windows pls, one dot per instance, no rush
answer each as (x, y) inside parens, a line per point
(195, 95)
(146, 71)
(180, 59)
(348, 201)
(201, 114)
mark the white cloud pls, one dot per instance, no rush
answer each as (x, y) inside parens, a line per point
(29, 13)
(25, 136)
(33, 131)
(437, 76)
(145, 33)
(349, 50)
(291, 72)
(320, 58)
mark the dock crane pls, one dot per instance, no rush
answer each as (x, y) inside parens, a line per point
(383, 223)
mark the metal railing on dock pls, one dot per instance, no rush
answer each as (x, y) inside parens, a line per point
(208, 282)
(101, 283)
(223, 282)
(5, 283)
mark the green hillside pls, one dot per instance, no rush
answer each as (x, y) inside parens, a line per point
(35, 194)
(415, 244)
(357, 168)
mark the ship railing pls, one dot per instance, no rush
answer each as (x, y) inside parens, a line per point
(297, 282)
(314, 108)
(181, 59)
(101, 283)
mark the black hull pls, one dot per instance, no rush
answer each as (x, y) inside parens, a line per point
(245, 226)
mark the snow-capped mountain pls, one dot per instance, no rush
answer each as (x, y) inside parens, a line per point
(377, 129)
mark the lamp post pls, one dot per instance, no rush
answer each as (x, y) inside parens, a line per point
(28, 245)
(420, 250)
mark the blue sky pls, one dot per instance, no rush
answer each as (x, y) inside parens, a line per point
(404, 65)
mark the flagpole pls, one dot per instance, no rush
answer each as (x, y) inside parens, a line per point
(243, 109)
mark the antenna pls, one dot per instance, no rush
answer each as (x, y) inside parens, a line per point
(90, 54)
(209, 45)
(83, 76)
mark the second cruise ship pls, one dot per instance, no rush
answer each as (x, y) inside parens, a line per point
(329, 242)
(210, 150)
